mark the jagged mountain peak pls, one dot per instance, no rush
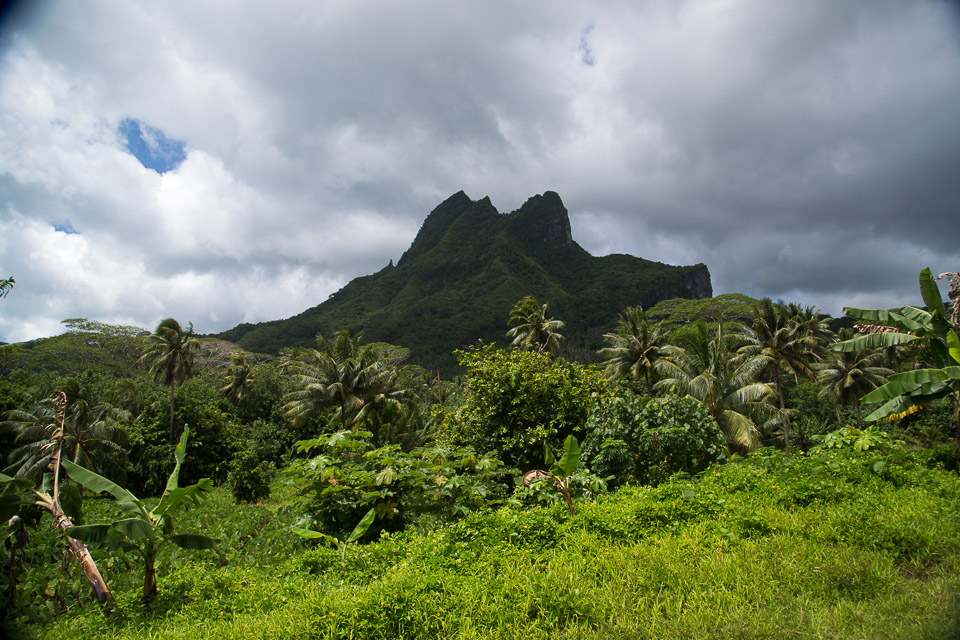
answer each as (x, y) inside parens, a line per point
(467, 266)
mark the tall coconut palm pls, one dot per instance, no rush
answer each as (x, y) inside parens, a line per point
(785, 338)
(707, 368)
(850, 375)
(170, 352)
(93, 434)
(238, 377)
(353, 379)
(532, 329)
(633, 347)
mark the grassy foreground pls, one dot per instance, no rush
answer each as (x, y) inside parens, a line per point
(848, 545)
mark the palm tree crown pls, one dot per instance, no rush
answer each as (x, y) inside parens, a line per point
(352, 378)
(633, 347)
(93, 435)
(786, 338)
(706, 368)
(532, 329)
(170, 351)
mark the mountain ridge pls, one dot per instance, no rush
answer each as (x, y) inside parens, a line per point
(466, 268)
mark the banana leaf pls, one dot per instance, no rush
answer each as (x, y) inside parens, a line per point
(890, 318)
(135, 528)
(362, 526)
(174, 498)
(97, 483)
(90, 533)
(873, 341)
(180, 454)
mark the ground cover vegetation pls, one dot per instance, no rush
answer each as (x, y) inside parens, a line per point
(750, 477)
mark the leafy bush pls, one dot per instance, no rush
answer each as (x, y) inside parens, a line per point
(518, 401)
(420, 487)
(646, 440)
(250, 477)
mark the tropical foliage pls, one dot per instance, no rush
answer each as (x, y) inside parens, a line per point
(532, 329)
(931, 327)
(633, 348)
(169, 351)
(709, 369)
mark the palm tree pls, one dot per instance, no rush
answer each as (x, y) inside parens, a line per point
(786, 339)
(93, 435)
(532, 329)
(5, 286)
(850, 375)
(707, 368)
(354, 379)
(238, 377)
(170, 352)
(633, 347)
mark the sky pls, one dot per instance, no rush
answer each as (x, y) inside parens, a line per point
(224, 162)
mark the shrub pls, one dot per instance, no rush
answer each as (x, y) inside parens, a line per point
(518, 401)
(250, 477)
(647, 440)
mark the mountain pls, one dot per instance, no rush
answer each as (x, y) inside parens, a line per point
(467, 267)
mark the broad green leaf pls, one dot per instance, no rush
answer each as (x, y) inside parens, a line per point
(180, 454)
(71, 503)
(174, 498)
(135, 528)
(362, 526)
(891, 318)
(314, 535)
(386, 476)
(194, 541)
(931, 295)
(98, 483)
(17, 483)
(953, 345)
(90, 533)
(548, 458)
(571, 457)
(873, 341)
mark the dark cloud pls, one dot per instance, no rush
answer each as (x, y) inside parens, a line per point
(803, 150)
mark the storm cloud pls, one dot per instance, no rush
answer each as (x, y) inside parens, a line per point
(224, 164)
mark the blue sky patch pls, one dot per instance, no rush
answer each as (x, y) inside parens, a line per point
(66, 227)
(151, 146)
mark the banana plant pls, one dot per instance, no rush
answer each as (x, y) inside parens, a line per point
(143, 531)
(915, 388)
(62, 502)
(561, 470)
(341, 545)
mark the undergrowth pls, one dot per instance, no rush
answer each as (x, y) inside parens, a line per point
(775, 545)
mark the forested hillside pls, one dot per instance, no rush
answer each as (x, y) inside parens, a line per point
(467, 266)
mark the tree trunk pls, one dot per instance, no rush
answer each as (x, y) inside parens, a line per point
(783, 409)
(170, 437)
(149, 573)
(82, 554)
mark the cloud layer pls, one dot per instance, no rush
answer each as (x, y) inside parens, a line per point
(804, 150)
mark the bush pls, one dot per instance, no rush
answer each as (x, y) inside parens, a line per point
(647, 440)
(250, 477)
(420, 488)
(518, 400)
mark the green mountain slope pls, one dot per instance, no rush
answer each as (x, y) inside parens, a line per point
(468, 265)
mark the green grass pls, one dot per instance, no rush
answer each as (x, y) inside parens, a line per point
(772, 547)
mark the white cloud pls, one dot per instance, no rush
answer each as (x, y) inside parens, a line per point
(799, 149)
